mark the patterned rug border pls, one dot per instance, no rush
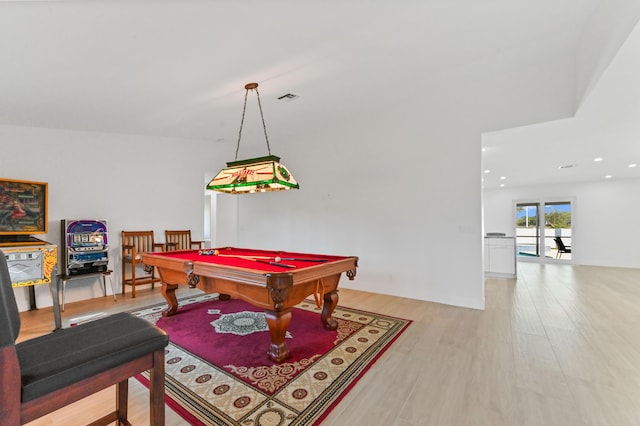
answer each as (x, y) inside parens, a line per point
(196, 411)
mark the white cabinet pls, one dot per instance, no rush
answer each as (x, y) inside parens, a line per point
(500, 257)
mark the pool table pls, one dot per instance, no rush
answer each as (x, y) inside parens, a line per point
(273, 280)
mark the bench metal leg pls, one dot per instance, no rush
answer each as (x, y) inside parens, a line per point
(104, 285)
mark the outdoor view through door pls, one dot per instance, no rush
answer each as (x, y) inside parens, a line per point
(543, 230)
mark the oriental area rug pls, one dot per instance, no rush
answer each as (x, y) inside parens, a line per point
(218, 373)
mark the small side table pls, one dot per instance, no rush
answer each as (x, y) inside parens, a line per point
(105, 274)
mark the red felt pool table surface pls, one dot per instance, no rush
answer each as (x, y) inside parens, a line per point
(240, 258)
(251, 275)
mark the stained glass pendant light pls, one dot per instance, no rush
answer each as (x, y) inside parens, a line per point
(262, 174)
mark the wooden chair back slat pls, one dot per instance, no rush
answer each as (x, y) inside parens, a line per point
(180, 240)
(142, 241)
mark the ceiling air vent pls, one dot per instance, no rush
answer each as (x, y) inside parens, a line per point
(288, 97)
(567, 166)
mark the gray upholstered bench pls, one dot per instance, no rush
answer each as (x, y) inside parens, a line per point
(46, 373)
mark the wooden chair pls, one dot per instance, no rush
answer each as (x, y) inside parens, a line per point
(41, 375)
(180, 240)
(134, 243)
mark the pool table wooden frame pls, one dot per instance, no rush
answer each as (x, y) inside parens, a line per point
(276, 292)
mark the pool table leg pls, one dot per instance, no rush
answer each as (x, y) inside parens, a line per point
(278, 323)
(169, 293)
(330, 303)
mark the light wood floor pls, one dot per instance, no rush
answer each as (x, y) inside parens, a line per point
(559, 346)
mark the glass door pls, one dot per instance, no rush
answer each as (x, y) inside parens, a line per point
(558, 232)
(527, 231)
(544, 231)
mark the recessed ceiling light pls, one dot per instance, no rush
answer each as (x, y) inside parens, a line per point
(633, 165)
(503, 177)
(487, 171)
(597, 159)
(502, 185)
(608, 177)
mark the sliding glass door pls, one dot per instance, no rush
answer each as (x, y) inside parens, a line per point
(558, 231)
(544, 231)
(527, 230)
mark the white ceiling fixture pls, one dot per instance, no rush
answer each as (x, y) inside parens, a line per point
(288, 97)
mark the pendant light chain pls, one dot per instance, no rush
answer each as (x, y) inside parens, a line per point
(264, 126)
(252, 86)
(244, 109)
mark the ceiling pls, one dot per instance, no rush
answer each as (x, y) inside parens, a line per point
(600, 143)
(177, 69)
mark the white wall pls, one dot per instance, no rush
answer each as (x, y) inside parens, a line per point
(398, 184)
(605, 218)
(136, 183)
(224, 219)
